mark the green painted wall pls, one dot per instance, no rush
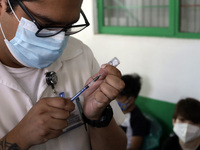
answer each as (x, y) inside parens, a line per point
(160, 110)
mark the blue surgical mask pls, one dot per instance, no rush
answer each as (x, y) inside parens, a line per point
(33, 51)
(123, 106)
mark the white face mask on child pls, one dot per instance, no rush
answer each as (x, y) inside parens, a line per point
(186, 132)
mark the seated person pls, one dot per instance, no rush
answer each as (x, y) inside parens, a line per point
(135, 125)
(186, 122)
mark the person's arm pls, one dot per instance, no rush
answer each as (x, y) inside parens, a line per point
(96, 98)
(5, 145)
(45, 120)
(136, 143)
(108, 138)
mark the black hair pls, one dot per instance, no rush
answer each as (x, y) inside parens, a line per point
(14, 5)
(189, 109)
(132, 85)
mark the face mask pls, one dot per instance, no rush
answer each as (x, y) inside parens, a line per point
(32, 51)
(125, 105)
(186, 132)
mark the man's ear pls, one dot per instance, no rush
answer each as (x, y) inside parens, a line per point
(2, 6)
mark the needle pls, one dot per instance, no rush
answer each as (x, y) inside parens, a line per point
(86, 87)
(114, 62)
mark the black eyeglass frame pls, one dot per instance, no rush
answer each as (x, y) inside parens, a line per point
(65, 28)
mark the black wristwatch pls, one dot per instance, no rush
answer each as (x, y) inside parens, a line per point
(104, 121)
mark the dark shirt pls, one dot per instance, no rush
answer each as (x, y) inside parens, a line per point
(138, 123)
(172, 143)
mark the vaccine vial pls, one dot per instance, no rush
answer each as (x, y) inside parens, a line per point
(114, 62)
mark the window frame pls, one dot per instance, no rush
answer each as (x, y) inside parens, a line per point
(179, 34)
(171, 31)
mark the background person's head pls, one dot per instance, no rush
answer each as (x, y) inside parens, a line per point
(187, 111)
(132, 85)
(186, 119)
(131, 90)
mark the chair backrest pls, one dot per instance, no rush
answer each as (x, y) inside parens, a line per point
(152, 140)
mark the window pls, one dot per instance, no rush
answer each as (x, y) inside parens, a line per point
(189, 16)
(175, 18)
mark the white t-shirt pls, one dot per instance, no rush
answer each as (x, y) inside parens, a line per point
(21, 88)
(28, 79)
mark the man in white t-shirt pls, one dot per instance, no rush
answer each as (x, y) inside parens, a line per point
(40, 65)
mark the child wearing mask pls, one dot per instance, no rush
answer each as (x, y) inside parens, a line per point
(186, 122)
(135, 125)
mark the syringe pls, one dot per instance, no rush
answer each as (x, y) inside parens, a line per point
(114, 62)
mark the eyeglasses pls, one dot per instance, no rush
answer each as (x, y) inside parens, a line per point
(48, 31)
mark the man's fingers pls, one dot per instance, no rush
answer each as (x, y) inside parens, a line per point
(59, 113)
(57, 124)
(109, 91)
(60, 103)
(115, 82)
(111, 70)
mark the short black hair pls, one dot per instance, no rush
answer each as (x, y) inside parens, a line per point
(14, 5)
(132, 85)
(189, 109)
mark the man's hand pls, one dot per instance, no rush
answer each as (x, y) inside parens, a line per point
(46, 120)
(102, 92)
